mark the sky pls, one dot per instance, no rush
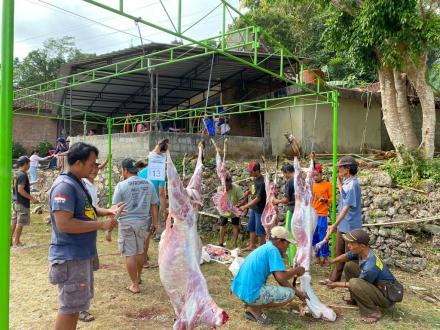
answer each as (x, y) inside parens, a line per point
(99, 31)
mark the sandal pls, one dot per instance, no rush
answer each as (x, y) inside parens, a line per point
(372, 318)
(264, 320)
(85, 316)
(324, 282)
(133, 292)
(349, 301)
(250, 316)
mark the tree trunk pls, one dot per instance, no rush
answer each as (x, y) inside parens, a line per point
(406, 123)
(395, 118)
(417, 75)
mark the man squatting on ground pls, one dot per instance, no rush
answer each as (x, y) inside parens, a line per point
(139, 221)
(250, 283)
(73, 242)
(22, 200)
(370, 282)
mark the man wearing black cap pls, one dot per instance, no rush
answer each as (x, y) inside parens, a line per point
(139, 222)
(22, 200)
(370, 282)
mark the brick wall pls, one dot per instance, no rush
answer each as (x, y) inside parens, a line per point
(30, 131)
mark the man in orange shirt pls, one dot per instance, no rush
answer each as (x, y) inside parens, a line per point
(322, 198)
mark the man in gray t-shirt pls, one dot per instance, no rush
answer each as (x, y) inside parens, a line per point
(139, 221)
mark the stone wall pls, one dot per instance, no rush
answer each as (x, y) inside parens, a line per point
(382, 203)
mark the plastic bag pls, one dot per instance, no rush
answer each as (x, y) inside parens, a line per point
(235, 265)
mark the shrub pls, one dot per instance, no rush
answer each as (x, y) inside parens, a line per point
(44, 148)
(413, 168)
(17, 150)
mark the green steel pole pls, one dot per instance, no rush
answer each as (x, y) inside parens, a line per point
(335, 108)
(6, 103)
(224, 26)
(109, 157)
(179, 16)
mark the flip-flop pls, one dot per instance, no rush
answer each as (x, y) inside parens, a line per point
(371, 319)
(85, 316)
(324, 282)
(349, 301)
(133, 292)
(250, 316)
(151, 265)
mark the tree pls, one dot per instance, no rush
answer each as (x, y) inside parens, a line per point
(395, 37)
(43, 64)
(299, 25)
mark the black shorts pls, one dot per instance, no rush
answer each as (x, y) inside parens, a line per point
(235, 221)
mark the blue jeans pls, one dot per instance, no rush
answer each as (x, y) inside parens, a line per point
(254, 224)
(33, 173)
(319, 235)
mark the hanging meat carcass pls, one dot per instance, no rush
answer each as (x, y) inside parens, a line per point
(221, 199)
(179, 254)
(303, 226)
(270, 212)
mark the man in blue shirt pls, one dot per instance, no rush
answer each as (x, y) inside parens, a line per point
(366, 277)
(250, 283)
(73, 245)
(349, 209)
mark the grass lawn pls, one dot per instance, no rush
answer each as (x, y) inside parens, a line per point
(33, 302)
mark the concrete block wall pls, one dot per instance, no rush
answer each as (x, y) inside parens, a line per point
(138, 145)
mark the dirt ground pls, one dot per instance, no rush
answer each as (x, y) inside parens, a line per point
(33, 303)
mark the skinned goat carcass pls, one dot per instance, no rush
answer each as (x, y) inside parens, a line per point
(303, 226)
(270, 212)
(179, 254)
(221, 199)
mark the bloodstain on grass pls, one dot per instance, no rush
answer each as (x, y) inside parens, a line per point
(152, 313)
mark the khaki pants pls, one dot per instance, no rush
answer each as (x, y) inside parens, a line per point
(340, 248)
(366, 295)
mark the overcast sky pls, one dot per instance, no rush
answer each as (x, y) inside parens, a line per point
(38, 20)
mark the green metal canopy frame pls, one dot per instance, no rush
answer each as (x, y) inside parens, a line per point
(254, 42)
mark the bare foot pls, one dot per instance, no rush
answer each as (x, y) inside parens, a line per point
(248, 248)
(134, 289)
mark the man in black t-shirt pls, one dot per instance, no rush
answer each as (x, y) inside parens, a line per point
(258, 194)
(22, 200)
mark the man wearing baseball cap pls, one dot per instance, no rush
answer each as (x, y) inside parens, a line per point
(370, 282)
(257, 192)
(349, 209)
(250, 283)
(22, 200)
(139, 221)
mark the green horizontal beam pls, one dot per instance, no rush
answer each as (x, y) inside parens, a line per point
(39, 107)
(211, 47)
(230, 109)
(26, 114)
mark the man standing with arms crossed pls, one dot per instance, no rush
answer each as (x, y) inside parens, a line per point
(73, 245)
(137, 223)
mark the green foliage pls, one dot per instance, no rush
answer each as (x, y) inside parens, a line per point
(383, 32)
(44, 148)
(413, 168)
(43, 64)
(17, 150)
(300, 25)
